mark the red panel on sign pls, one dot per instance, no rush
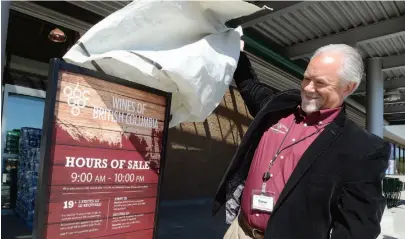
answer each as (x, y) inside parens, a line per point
(107, 207)
(104, 147)
(93, 226)
(75, 192)
(128, 141)
(84, 157)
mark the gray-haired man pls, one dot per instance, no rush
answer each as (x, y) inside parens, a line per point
(303, 170)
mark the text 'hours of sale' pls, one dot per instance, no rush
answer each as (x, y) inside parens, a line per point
(81, 162)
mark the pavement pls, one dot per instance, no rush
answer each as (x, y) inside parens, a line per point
(196, 222)
(189, 219)
(393, 222)
(193, 220)
(13, 228)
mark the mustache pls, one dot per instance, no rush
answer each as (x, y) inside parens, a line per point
(310, 95)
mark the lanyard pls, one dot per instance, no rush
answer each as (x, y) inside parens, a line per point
(267, 175)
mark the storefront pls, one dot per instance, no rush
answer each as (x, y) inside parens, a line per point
(198, 153)
(194, 149)
(31, 43)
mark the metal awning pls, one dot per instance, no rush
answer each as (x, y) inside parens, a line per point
(377, 29)
(102, 8)
(45, 14)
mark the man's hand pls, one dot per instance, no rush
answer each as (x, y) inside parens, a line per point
(242, 45)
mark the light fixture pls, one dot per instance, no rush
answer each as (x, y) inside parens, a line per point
(57, 35)
(392, 95)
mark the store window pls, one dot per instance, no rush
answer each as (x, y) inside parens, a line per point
(400, 164)
(396, 151)
(391, 161)
(24, 111)
(396, 155)
(22, 107)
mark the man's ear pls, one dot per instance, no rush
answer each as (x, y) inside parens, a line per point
(349, 88)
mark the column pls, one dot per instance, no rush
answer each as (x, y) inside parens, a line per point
(375, 96)
(5, 9)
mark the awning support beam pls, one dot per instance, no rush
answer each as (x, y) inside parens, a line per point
(350, 37)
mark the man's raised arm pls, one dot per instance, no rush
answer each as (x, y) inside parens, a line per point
(254, 93)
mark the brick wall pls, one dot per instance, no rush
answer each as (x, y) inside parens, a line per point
(199, 153)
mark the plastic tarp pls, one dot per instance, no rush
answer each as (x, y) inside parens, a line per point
(182, 47)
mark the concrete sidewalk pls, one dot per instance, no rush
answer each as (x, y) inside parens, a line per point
(393, 223)
(190, 221)
(196, 222)
(193, 220)
(177, 220)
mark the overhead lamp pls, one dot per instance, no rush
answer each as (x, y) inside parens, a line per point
(392, 95)
(57, 35)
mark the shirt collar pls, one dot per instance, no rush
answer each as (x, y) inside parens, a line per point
(319, 117)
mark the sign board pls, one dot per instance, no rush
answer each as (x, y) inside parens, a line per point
(102, 156)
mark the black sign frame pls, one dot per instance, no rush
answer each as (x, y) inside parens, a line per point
(42, 195)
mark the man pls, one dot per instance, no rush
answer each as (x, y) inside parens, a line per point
(303, 169)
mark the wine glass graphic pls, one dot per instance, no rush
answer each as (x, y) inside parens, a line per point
(77, 98)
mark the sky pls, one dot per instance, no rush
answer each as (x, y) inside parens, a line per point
(24, 111)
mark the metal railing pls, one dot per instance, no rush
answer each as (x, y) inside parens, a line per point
(392, 189)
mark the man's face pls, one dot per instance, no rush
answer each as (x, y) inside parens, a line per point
(321, 87)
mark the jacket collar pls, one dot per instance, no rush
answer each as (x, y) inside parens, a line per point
(321, 116)
(340, 120)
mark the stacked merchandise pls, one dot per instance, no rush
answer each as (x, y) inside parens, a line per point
(30, 141)
(12, 141)
(10, 164)
(8, 186)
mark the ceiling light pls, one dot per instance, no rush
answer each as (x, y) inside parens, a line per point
(57, 35)
(392, 95)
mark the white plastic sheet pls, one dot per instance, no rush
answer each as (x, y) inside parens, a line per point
(181, 47)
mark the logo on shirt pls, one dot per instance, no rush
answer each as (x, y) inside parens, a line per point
(279, 128)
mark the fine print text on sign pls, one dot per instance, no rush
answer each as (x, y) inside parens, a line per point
(105, 149)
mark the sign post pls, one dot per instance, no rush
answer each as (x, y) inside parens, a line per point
(102, 156)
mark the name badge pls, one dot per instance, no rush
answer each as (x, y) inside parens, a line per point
(263, 203)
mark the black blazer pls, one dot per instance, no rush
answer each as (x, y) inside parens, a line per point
(335, 191)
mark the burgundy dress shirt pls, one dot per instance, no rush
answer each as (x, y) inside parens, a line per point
(300, 127)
